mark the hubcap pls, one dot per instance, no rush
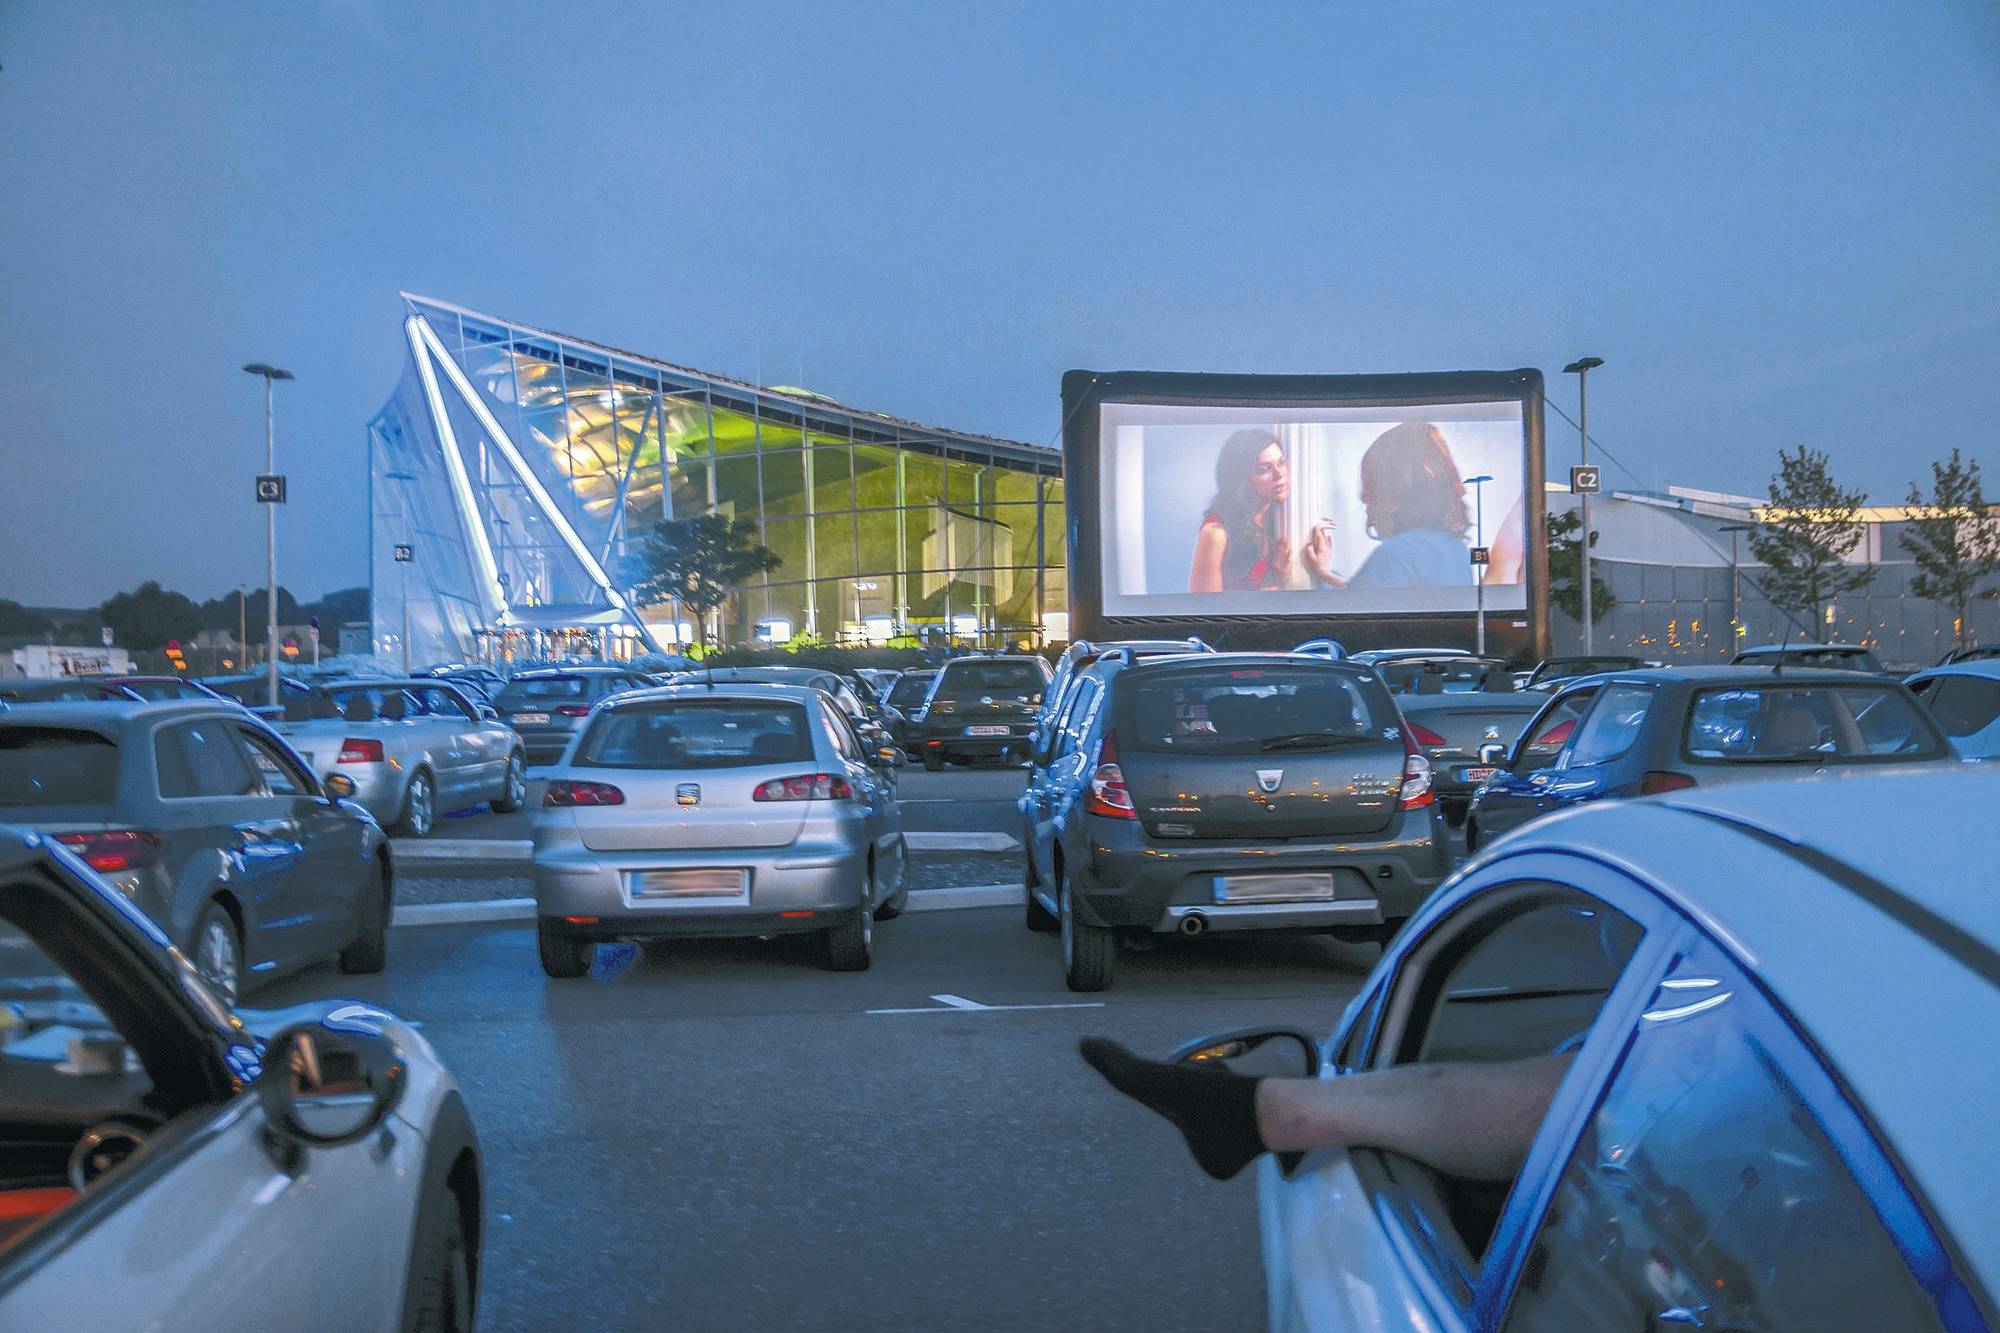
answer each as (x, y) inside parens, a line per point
(868, 916)
(216, 959)
(517, 783)
(420, 805)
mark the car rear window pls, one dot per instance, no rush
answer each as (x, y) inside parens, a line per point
(1819, 724)
(1837, 661)
(1458, 675)
(1017, 678)
(909, 690)
(542, 689)
(719, 733)
(1249, 710)
(56, 766)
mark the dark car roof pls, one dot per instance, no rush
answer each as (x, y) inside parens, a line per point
(1743, 674)
(1506, 701)
(99, 715)
(1287, 661)
(586, 669)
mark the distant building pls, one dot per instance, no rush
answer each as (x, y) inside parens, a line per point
(521, 469)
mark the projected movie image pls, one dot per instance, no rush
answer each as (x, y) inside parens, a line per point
(1318, 510)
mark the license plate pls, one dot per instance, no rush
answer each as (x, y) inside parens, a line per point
(720, 883)
(1274, 888)
(532, 719)
(986, 731)
(1474, 774)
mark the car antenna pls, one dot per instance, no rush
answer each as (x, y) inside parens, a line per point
(1783, 644)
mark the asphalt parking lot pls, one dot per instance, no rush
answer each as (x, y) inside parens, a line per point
(720, 1134)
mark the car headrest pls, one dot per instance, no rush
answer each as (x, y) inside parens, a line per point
(360, 707)
(298, 708)
(394, 707)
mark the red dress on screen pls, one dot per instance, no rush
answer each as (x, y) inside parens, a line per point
(1255, 578)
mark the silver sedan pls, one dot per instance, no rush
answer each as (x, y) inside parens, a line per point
(411, 748)
(744, 810)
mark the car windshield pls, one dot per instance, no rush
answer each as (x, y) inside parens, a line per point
(540, 690)
(685, 734)
(46, 766)
(1020, 679)
(1818, 724)
(1249, 710)
(909, 690)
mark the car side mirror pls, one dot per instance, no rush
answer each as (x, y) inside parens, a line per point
(1493, 755)
(329, 1083)
(1257, 1052)
(338, 785)
(888, 756)
(488, 713)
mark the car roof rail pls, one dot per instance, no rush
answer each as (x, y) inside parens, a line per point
(1121, 655)
(1199, 644)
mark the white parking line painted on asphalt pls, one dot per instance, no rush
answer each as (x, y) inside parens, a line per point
(985, 1008)
(958, 1002)
(965, 895)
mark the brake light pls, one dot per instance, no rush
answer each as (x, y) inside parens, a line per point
(582, 793)
(1424, 735)
(1109, 796)
(1417, 790)
(114, 849)
(574, 710)
(806, 787)
(1656, 782)
(356, 750)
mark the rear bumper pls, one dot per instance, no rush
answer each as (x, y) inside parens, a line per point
(824, 877)
(952, 742)
(1129, 879)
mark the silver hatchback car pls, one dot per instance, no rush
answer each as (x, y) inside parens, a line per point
(733, 810)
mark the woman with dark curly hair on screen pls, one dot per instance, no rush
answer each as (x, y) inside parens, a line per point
(1244, 544)
(1415, 502)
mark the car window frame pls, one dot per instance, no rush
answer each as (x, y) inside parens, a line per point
(1072, 723)
(1684, 752)
(172, 725)
(1486, 891)
(846, 741)
(454, 696)
(1525, 741)
(1903, 1214)
(1566, 757)
(302, 777)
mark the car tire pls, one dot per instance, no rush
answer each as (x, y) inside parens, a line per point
(563, 957)
(1471, 834)
(419, 806)
(898, 902)
(369, 951)
(445, 1296)
(1088, 951)
(514, 787)
(217, 952)
(850, 946)
(933, 763)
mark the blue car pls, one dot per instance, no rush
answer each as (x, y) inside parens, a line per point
(1638, 733)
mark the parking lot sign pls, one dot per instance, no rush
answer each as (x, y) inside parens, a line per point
(1586, 480)
(270, 488)
(1482, 555)
(403, 553)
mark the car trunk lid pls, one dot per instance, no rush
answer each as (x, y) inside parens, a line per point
(672, 810)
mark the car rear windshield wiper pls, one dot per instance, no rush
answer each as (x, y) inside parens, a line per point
(1299, 740)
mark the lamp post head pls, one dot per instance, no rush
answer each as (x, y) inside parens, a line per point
(268, 372)
(1737, 527)
(1475, 481)
(1582, 364)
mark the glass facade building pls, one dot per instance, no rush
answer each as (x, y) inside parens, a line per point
(515, 472)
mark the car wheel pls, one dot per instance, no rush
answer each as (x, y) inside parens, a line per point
(369, 952)
(1087, 951)
(899, 902)
(850, 946)
(933, 762)
(218, 952)
(445, 1296)
(419, 806)
(514, 789)
(563, 957)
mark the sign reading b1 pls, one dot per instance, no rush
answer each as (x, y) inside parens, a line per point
(403, 553)
(1586, 480)
(1482, 555)
(270, 488)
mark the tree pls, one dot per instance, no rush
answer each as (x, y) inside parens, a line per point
(1566, 569)
(700, 561)
(1956, 544)
(16, 619)
(149, 616)
(1806, 536)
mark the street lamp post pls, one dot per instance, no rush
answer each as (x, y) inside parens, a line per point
(270, 375)
(1581, 368)
(1735, 531)
(1478, 485)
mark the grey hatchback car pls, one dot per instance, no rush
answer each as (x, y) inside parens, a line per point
(738, 810)
(546, 707)
(209, 823)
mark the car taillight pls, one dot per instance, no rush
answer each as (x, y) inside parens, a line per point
(1656, 782)
(1424, 735)
(574, 710)
(582, 793)
(114, 849)
(1109, 796)
(806, 787)
(1417, 791)
(356, 750)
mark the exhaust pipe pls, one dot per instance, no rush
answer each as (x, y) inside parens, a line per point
(1193, 924)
